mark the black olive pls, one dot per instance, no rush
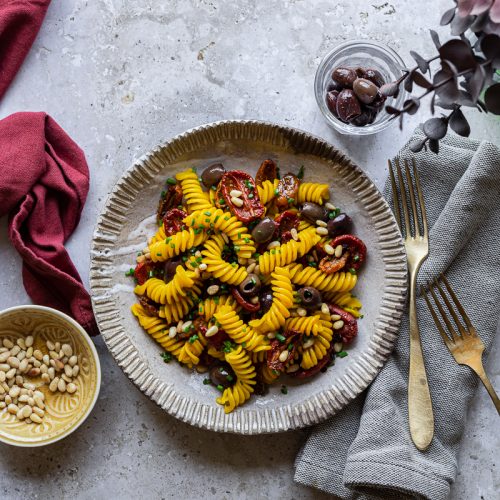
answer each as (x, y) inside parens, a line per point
(222, 375)
(313, 212)
(250, 285)
(212, 174)
(169, 269)
(342, 224)
(266, 301)
(264, 230)
(310, 297)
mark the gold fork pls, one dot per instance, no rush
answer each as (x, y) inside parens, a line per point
(466, 346)
(420, 414)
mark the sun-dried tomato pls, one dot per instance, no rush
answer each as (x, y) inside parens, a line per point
(286, 221)
(172, 197)
(353, 255)
(268, 171)
(350, 328)
(277, 347)
(237, 180)
(142, 271)
(248, 306)
(172, 221)
(149, 306)
(287, 191)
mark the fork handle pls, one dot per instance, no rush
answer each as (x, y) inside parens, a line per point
(479, 369)
(420, 414)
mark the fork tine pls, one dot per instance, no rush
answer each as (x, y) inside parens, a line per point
(439, 326)
(395, 196)
(461, 310)
(412, 200)
(452, 331)
(404, 203)
(420, 199)
(460, 327)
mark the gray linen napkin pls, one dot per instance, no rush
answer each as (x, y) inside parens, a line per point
(366, 449)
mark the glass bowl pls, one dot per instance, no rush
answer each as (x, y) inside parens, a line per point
(364, 53)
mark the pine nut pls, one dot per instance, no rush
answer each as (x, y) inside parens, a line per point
(38, 411)
(23, 398)
(329, 249)
(12, 408)
(235, 193)
(45, 378)
(34, 372)
(294, 233)
(13, 362)
(37, 363)
(293, 368)
(50, 345)
(4, 356)
(335, 317)
(273, 244)
(186, 326)
(29, 352)
(21, 355)
(308, 343)
(29, 340)
(8, 399)
(4, 367)
(238, 202)
(14, 392)
(19, 414)
(324, 308)
(67, 350)
(26, 411)
(251, 267)
(271, 335)
(338, 251)
(257, 269)
(38, 354)
(71, 388)
(73, 360)
(39, 394)
(322, 231)
(140, 259)
(57, 346)
(337, 325)
(39, 402)
(53, 384)
(11, 373)
(66, 378)
(61, 385)
(76, 370)
(212, 289)
(23, 365)
(21, 344)
(301, 311)
(337, 347)
(212, 331)
(172, 332)
(35, 418)
(202, 267)
(29, 386)
(254, 300)
(68, 370)
(2, 376)
(330, 206)
(58, 365)
(19, 380)
(8, 343)
(321, 223)
(283, 356)
(53, 355)
(2, 405)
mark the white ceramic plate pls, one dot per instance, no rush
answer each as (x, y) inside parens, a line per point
(128, 219)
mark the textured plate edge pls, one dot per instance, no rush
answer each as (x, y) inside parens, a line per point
(318, 406)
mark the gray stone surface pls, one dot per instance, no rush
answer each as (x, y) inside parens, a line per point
(122, 76)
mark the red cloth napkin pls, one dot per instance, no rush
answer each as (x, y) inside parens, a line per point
(44, 183)
(20, 21)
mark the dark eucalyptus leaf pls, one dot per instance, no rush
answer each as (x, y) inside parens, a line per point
(461, 24)
(459, 123)
(447, 17)
(411, 106)
(417, 145)
(392, 110)
(422, 64)
(480, 22)
(447, 92)
(458, 53)
(448, 67)
(481, 106)
(420, 80)
(408, 85)
(492, 99)
(435, 39)
(464, 99)
(433, 102)
(435, 128)
(490, 45)
(401, 121)
(389, 89)
(476, 83)
(444, 104)
(434, 145)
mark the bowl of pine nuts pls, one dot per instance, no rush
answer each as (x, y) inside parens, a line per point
(50, 375)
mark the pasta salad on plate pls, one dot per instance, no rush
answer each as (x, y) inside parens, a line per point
(249, 279)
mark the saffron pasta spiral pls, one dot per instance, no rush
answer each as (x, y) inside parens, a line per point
(214, 297)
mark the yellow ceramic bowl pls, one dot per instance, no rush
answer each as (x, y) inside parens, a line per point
(63, 412)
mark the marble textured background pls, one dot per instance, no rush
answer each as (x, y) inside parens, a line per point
(122, 76)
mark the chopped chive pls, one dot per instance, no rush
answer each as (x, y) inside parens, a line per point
(239, 235)
(273, 252)
(206, 381)
(193, 222)
(276, 372)
(290, 347)
(276, 192)
(217, 217)
(166, 356)
(193, 169)
(227, 217)
(256, 255)
(250, 196)
(168, 240)
(278, 175)
(151, 274)
(247, 240)
(300, 175)
(342, 354)
(221, 388)
(356, 258)
(198, 230)
(291, 200)
(352, 270)
(162, 194)
(193, 338)
(171, 181)
(172, 245)
(213, 188)
(236, 248)
(229, 378)
(199, 259)
(208, 213)
(222, 201)
(216, 299)
(284, 389)
(158, 254)
(130, 272)
(280, 337)
(139, 253)
(184, 258)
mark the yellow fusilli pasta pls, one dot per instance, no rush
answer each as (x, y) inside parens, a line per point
(267, 191)
(196, 198)
(311, 191)
(309, 276)
(176, 244)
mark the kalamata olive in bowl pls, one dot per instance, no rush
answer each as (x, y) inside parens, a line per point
(266, 301)
(331, 101)
(313, 212)
(333, 85)
(374, 76)
(339, 225)
(310, 297)
(222, 375)
(264, 230)
(344, 76)
(365, 90)
(169, 268)
(250, 285)
(366, 117)
(212, 174)
(348, 106)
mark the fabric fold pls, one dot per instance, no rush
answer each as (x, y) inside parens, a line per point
(43, 188)
(461, 188)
